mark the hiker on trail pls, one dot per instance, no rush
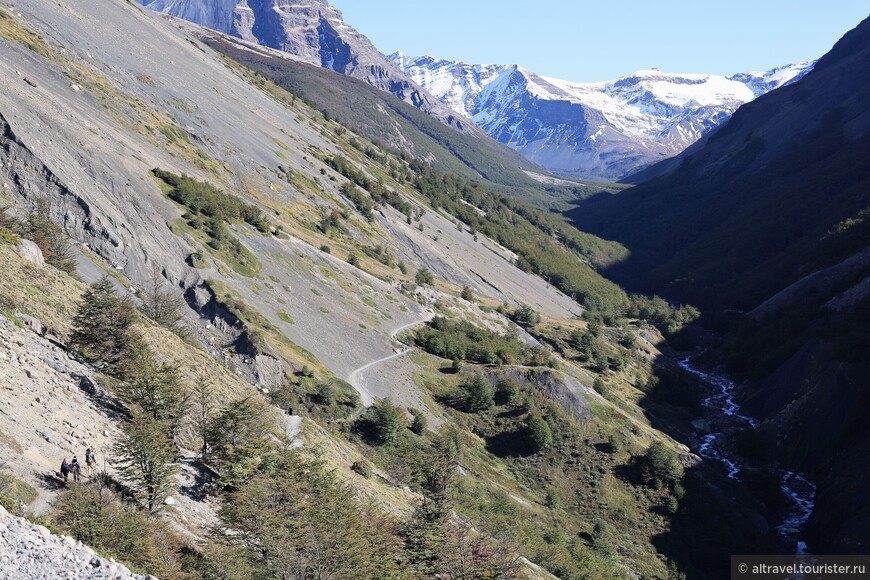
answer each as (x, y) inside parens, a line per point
(90, 460)
(75, 468)
(64, 470)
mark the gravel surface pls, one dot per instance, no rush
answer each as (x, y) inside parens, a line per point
(30, 551)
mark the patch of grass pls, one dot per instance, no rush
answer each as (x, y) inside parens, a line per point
(462, 340)
(9, 237)
(146, 80)
(315, 291)
(285, 316)
(197, 260)
(11, 30)
(14, 493)
(324, 310)
(44, 293)
(209, 211)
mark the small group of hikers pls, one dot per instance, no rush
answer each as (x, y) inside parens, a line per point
(74, 467)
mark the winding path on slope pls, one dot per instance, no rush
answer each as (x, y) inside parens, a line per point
(357, 377)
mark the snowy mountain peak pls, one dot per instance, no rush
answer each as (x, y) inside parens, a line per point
(315, 32)
(606, 129)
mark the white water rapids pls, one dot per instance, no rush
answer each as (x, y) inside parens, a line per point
(795, 486)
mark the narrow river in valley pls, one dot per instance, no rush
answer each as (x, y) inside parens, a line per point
(726, 418)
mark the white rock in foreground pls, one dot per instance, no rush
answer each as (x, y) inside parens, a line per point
(31, 551)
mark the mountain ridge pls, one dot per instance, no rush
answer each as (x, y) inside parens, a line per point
(606, 129)
(315, 32)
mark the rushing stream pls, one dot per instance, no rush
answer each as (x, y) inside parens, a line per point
(726, 415)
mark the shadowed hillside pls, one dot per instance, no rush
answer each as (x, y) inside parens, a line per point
(765, 225)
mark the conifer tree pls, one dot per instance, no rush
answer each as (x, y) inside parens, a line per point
(387, 421)
(294, 519)
(161, 303)
(476, 394)
(425, 533)
(205, 405)
(145, 458)
(155, 387)
(539, 434)
(238, 437)
(101, 326)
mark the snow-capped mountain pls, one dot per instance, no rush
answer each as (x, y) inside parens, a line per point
(605, 130)
(315, 32)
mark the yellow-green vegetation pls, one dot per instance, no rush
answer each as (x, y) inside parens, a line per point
(8, 237)
(463, 341)
(96, 513)
(15, 493)
(44, 293)
(209, 211)
(109, 271)
(285, 316)
(11, 30)
(552, 502)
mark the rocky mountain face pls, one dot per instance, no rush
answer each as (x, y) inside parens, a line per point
(604, 130)
(316, 33)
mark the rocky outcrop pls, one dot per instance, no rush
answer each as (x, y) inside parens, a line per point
(568, 392)
(32, 551)
(240, 344)
(316, 33)
(31, 252)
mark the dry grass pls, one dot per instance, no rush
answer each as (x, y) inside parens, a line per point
(41, 292)
(340, 455)
(11, 30)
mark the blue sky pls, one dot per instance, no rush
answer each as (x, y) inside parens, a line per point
(593, 41)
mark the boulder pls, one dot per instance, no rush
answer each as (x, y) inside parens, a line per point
(690, 460)
(34, 324)
(31, 252)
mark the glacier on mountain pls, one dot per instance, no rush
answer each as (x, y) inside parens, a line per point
(605, 129)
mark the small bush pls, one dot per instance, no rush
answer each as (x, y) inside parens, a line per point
(418, 424)
(197, 260)
(525, 316)
(424, 277)
(325, 249)
(506, 391)
(8, 237)
(599, 386)
(475, 395)
(382, 424)
(660, 466)
(14, 493)
(362, 467)
(538, 433)
(551, 500)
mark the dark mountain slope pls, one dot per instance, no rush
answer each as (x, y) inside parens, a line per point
(749, 210)
(770, 215)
